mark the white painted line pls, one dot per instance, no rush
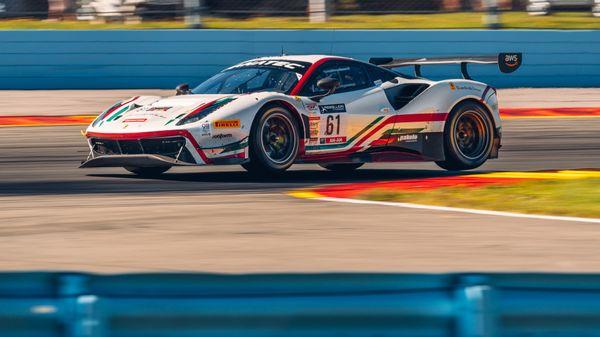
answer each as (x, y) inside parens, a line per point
(461, 210)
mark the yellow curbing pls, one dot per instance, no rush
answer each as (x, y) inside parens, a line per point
(305, 194)
(566, 174)
(557, 175)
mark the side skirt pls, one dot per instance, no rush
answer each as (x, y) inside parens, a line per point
(398, 148)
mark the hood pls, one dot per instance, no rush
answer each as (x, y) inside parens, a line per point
(158, 113)
(188, 100)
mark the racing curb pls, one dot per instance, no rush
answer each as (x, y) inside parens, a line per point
(22, 121)
(346, 193)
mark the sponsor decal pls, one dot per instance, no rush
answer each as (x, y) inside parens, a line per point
(509, 62)
(135, 120)
(312, 107)
(313, 123)
(332, 108)
(408, 138)
(205, 129)
(467, 87)
(295, 65)
(333, 140)
(227, 124)
(402, 135)
(222, 136)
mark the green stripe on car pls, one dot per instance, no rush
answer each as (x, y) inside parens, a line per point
(335, 146)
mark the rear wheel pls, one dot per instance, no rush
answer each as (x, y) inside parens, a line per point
(468, 137)
(342, 167)
(274, 141)
(148, 171)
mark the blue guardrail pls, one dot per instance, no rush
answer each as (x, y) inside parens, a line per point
(68, 304)
(164, 58)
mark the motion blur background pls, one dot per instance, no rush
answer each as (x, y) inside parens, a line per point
(292, 13)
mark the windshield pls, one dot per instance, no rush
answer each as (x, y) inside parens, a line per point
(249, 79)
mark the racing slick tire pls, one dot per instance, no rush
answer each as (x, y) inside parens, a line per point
(274, 141)
(148, 171)
(468, 137)
(346, 167)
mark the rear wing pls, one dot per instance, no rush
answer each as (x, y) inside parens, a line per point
(507, 62)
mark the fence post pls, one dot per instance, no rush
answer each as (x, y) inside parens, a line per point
(82, 318)
(318, 10)
(475, 315)
(492, 14)
(193, 9)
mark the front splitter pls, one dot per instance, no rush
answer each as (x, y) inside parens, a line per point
(134, 160)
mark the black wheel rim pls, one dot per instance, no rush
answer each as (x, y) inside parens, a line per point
(277, 135)
(470, 134)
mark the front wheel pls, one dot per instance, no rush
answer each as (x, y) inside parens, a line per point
(274, 141)
(468, 137)
(148, 171)
(345, 167)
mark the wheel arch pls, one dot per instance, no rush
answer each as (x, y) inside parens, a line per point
(496, 131)
(301, 122)
(478, 102)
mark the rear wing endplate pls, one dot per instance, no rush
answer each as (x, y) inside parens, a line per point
(507, 62)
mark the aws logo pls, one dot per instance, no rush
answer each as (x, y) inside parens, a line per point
(509, 62)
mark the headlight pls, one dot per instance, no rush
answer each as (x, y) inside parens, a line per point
(205, 110)
(106, 112)
(112, 109)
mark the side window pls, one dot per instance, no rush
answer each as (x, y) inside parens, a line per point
(377, 74)
(351, 76)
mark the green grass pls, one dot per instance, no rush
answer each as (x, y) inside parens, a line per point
(393, 21)
(576, 197)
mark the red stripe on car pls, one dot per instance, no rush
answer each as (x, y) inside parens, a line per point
(309, 72)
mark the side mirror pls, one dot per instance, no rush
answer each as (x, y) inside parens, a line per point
(328, 84)
(183, 89)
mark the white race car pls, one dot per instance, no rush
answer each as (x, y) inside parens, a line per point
(269, 113)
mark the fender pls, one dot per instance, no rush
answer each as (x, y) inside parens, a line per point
(301, 121)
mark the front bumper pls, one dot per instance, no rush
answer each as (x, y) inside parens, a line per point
(123, 150)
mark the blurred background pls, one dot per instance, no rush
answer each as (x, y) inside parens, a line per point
(567, 14)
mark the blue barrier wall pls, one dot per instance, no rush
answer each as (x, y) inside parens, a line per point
(352, 305)
(165, 58)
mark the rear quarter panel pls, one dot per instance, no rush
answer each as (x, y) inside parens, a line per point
(443, 96)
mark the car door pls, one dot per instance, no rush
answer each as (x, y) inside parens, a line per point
(343, 121)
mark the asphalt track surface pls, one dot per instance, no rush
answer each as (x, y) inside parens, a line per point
(44, 160)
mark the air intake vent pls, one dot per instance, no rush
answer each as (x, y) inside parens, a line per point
(401, 95)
